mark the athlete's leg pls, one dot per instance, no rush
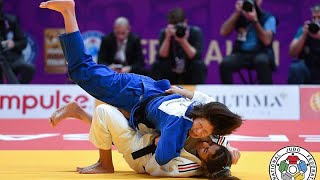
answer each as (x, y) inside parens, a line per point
(67, 9)
(110, 126)
(122, 90)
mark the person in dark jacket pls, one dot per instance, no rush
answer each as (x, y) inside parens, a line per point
(121, 50)
(13, 65)
(305, 48)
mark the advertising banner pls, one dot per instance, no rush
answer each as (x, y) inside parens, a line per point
(310, 103)
(38, 101)
(258, 102)
(55, 62)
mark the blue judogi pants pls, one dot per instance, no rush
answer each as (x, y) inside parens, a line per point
(126, 91)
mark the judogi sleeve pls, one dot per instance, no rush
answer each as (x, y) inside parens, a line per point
(220, 140)
(202, 98)
(173, 136)
(177, 167)
(122, 90)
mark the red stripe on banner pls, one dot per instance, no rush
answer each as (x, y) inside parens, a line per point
(260, 135)
(188, 167)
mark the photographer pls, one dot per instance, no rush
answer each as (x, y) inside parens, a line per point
(306, 48)
(13, 41)
(179, 55)
(253, 47)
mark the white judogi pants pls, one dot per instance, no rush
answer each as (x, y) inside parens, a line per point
(109, 125)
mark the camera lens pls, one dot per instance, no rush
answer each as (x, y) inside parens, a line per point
(180, 30)
(248, 6)
(314, 27)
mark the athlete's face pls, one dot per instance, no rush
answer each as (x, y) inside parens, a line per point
(201, 128)
(206, 149)
(121, 32)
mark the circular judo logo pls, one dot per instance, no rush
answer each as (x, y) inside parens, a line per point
(292, 163)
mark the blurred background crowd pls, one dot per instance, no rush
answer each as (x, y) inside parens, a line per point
(187, 42)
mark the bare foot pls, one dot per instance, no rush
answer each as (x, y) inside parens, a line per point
(99, 169)
(72, 109)
(87, 167)
(62, 6)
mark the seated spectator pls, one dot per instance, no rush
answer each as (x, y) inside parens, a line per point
(179, 56)
(253, 47)
(13, 65)
(121, 50)
(305, 47)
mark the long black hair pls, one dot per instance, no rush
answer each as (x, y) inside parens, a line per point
(219, 164)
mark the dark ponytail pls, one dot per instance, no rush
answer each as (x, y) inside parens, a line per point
(219, 164)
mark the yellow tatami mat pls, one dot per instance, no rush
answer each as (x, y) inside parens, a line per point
(60, 165)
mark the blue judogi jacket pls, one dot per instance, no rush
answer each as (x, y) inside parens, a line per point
(128, 91)
(170, 115)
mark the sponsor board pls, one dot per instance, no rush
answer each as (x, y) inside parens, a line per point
(55, 62)
(258, 102)
(73, 134)
(310, 102)
(38, 101)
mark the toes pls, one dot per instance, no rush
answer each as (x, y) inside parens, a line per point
(79, 169)
(43, 5)
(51, 122)
(84, 172)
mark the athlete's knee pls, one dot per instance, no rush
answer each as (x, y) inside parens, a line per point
(104, 111)
(100, 114)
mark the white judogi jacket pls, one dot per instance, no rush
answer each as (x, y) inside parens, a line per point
(110, 126)
(186, 165)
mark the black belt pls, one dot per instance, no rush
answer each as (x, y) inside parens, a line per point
(144, 151)
(140, 113)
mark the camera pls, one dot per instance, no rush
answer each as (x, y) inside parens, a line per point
(180, 30)
(314, 27)
(248, 5)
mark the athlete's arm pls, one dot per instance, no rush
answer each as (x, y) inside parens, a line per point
(194, 96)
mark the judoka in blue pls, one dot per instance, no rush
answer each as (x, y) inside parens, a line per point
(127, 91)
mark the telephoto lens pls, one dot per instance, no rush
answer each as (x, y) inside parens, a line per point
(314, 27)
(248, 5)
(180, 30)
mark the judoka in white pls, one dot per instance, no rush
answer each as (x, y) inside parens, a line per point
(66, 8)
(110, 126)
